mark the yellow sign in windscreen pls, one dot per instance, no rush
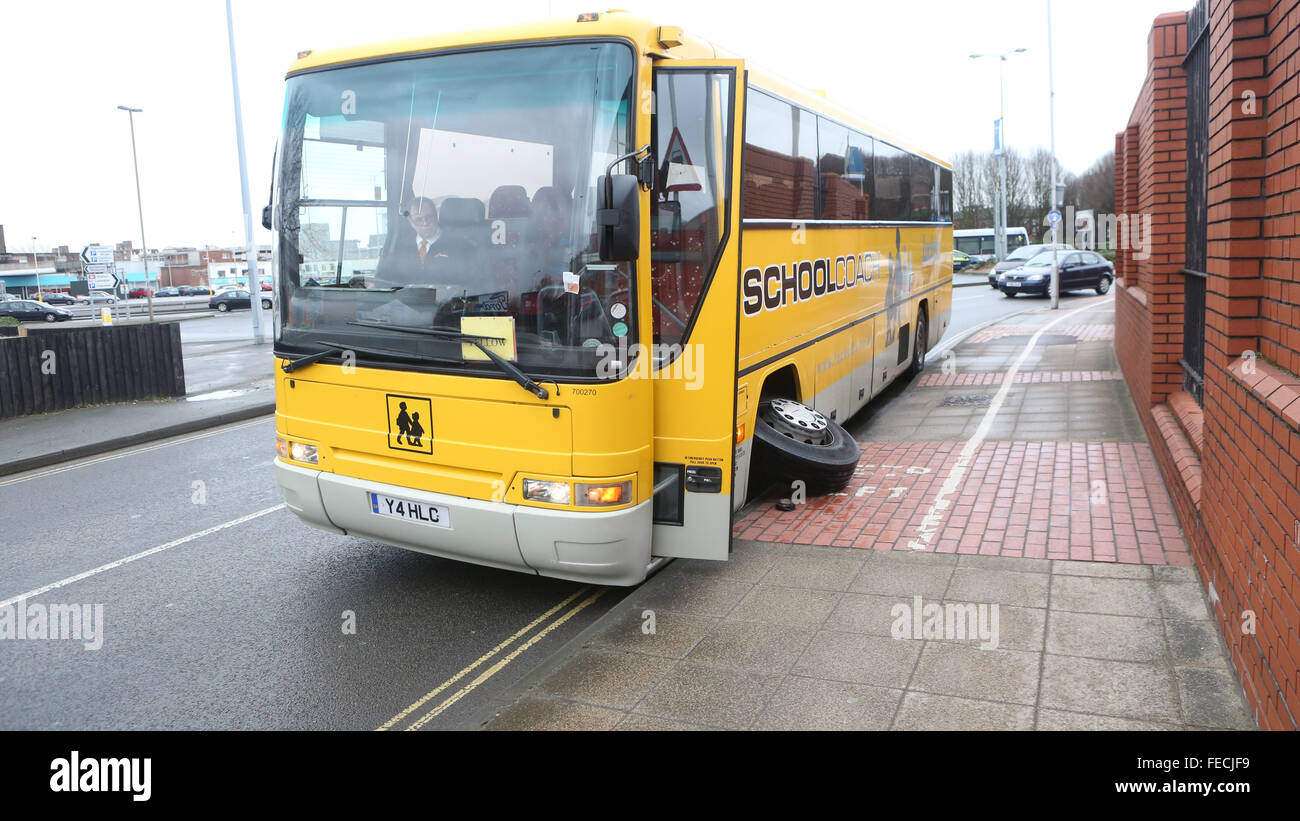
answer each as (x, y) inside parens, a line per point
(500, 331)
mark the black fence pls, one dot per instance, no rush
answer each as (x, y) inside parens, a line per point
(1197, 64)
(57, 368)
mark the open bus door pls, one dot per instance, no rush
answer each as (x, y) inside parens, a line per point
(695, 287)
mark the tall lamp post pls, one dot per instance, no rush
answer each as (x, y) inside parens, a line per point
(1000, 231)
(254, 289)
(37, 268)
(144, 246)
(1056, 199)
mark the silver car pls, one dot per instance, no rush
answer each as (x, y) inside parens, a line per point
(1019, 257)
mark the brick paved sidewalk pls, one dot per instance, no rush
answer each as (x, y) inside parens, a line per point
(1034, 500)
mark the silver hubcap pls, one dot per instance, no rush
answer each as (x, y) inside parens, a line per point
(797, 421)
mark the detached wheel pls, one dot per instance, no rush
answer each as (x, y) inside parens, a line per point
(1103, 285)
(795, 442)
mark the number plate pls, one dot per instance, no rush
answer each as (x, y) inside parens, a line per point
(1012, 284)
(434, 515)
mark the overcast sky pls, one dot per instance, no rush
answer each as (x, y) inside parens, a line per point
(65, 151)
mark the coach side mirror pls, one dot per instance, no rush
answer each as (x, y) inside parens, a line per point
(619, 217)
(266, 217)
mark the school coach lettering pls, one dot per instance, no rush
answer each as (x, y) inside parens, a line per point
(776, 286)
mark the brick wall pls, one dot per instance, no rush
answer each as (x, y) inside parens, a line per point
(1235, 487)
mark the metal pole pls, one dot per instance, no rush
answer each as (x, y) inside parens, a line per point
(37, 268)
(139, 204)
(254, 287)
(1051, 97)
(1001, 242)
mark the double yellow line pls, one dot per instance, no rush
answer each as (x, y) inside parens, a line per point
(488, 656)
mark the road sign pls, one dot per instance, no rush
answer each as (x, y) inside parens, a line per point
(97, 268)
(97, 255)
(102, 282)
(1054, 218)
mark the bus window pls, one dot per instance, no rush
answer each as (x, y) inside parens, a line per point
(687, 208)
(891, 183)
(945, 194)
(779, 181)
(839, 170)
(922, 189)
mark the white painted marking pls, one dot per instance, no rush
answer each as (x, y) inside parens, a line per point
(929, 524)
(104, 568)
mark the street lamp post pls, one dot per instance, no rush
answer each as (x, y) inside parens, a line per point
(1051, 106)
(254, 290)
(37, 268)
(1000, 230)
(139, 204)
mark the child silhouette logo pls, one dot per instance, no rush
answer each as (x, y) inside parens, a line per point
(403, 422)
(409, 425)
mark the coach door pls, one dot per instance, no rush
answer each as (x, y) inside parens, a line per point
(694, 289)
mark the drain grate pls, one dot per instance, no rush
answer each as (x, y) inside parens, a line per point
(975, 400)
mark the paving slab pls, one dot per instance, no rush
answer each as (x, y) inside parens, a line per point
(1059, 533)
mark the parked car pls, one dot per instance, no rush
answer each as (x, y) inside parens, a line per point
(1078, 270)
(961, 259)
(96, 296)
(26, 310)
(138, 293)
(228, 300)
(56, 298)
(162, 292)
(195, 290)
(1019, 257)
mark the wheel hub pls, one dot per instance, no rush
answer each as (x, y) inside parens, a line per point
(797, 421)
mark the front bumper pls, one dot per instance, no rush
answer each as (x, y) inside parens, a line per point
(602, 548)
(1036, 288)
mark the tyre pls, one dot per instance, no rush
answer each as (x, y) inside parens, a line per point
(921, 346)
(795, 442)
(1103, 285)
(1009, 294)
(223, 307)
(266, 303)
(51, 318)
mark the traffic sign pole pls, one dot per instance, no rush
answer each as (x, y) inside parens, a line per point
(1054, 218)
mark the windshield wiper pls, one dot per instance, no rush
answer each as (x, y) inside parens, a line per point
(451, 334)
(334, 349)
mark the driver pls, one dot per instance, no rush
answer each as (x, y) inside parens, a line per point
(416, 253)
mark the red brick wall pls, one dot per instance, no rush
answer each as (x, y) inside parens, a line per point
(1243, 531)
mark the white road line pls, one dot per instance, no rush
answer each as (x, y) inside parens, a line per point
(930, 523)
(103, 568)
(142, 449)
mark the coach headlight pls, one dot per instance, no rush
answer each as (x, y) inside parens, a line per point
(555, 493)
(297, 451)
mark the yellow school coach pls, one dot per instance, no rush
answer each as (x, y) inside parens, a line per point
(557, 298)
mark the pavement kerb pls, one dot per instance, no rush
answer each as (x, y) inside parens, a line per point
(543, 671)
(949, 344)
(96, 448)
